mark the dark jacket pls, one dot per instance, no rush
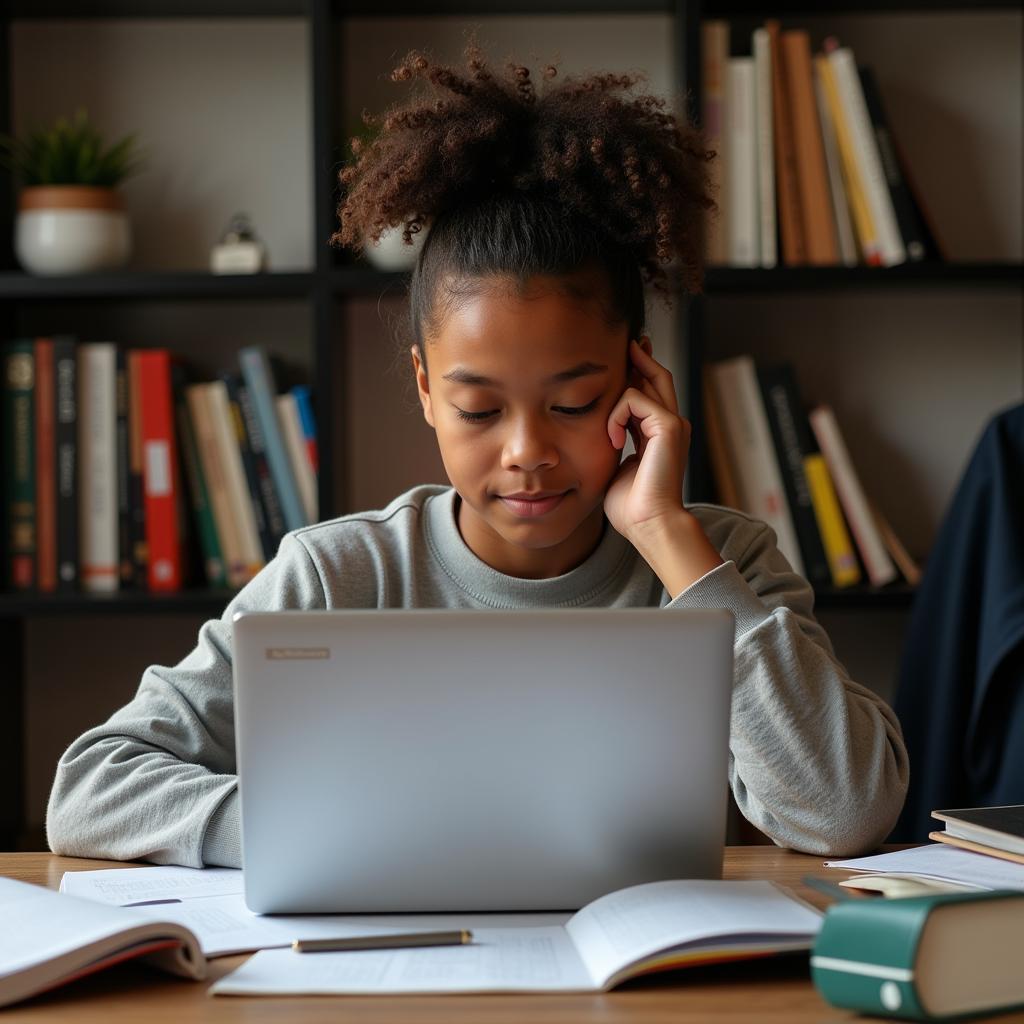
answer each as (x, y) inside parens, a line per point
(960, 696)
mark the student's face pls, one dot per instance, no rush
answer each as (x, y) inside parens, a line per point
(530, 430)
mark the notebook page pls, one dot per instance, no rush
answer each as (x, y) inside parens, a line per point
(945, 863)
(538, 959)
(225, 925)
(39, 924)
(618, 929)
(123, 886)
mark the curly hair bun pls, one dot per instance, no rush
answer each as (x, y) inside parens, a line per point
(609, 155)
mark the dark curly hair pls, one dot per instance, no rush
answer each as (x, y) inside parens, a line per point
(513, 184)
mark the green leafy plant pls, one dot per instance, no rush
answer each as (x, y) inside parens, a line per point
(70, 153)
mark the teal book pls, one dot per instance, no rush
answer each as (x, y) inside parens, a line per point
(946, 956)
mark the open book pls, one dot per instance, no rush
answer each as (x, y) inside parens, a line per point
(47, 939)
(651, 927)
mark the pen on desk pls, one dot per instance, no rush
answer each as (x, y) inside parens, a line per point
(149, 903)
(454, 938)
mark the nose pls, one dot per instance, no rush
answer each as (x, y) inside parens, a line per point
(529, 445)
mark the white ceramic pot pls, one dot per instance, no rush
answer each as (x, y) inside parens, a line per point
(391, 253)
(71, 229)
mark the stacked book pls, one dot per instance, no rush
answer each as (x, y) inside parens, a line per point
(116, 467)
(806, 157)
(793, 470)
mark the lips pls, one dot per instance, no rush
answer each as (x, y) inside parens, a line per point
(528, 505)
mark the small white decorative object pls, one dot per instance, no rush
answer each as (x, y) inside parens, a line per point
(239, 250)
(71, 229)
(391, 253)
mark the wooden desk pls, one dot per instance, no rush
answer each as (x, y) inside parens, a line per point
(774, 991)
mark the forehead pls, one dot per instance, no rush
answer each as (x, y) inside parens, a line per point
(510, 334)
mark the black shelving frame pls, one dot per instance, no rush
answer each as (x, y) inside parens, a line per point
(333, 281)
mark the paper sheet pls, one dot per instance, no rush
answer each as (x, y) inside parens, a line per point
(946, 863)
(126, 886)
(499, 960)
(225, 925)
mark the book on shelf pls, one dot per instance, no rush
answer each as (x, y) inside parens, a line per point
(748, 436)
(994, 831)
(806, 159)
(117, 475)
(856, 508)
(828, 514)
(19, 464)
(820, 245)
(788, 426)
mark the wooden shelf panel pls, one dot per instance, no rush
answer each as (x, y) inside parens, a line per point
(38, 9)
(896, 595)
(171, 285)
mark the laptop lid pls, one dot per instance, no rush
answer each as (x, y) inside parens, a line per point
(428, 760)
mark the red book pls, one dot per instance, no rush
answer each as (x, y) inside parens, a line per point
(46, 467)
(161, 483)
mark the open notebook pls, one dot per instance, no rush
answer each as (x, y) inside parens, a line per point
(645, 928)
(48, 939)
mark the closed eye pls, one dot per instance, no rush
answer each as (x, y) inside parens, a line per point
(565, 410)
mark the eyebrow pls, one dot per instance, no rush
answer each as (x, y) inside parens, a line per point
(460, 375)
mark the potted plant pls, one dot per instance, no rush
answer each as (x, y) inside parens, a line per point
(71, 218)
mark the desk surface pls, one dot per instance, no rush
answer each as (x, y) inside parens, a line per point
(774, 991)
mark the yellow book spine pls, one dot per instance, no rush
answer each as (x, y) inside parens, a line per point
(866, 233)
(835, 538)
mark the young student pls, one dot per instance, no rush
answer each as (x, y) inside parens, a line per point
(545, 214)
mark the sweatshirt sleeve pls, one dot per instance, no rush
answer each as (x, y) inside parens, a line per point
(157, 781)
(816, 761)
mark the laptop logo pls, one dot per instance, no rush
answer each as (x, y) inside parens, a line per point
(298, 653)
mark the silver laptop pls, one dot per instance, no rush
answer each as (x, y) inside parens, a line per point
(435, 760)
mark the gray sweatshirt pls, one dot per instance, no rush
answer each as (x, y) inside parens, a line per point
(816, 761)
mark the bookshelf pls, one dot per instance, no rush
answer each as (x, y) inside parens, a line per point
(325, 289)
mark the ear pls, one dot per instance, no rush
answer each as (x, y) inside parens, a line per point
(422, 384)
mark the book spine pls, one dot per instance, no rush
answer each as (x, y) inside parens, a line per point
(304, 401)
(879, 565)
(161, 487)
(97, 509)
(718, 447)
(46, 469)
(19, 463)
(216, 482)
(842, 559)
(136, 482)
(239, 498)
(252, 480)
(65, 359)
(268, 493)
(907, 566)
(209, 543)
(867, 234)
(289, 417)
(840, 202)
(765, 147)
(259, 379)
(869, 162)
(714, 57)
(785, 415)
(908, 220)
(125, 513)
(812, 176)
(794, 251)
(741, 170)
(750, 444)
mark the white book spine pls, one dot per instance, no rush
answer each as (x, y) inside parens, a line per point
(97, 443)
(748, 435)
(765, 147)
(880, 566)
(869, 161)
(291, 427)
(840, 204)
(741, 170)
(231, 459)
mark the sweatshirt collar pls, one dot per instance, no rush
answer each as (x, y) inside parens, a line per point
(583, 585)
